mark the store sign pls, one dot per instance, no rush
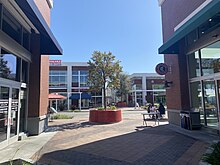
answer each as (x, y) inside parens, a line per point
(161, 69)
(55, 62)
(14, 105)
(3, 105)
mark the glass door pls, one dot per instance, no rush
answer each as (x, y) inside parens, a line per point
(4, 107)
(13, 121)
(210, 103)
(9, 112)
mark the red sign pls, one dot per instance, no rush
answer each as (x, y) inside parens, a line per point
(161, 69)
(55, 62)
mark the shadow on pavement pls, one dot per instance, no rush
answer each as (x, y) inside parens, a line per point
(151, 146)
(72, 125)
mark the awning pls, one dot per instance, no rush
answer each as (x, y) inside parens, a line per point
(49, 44)
(76, 96)
(56, 96)
(172, 46)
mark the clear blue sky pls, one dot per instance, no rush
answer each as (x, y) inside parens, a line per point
(130, 29)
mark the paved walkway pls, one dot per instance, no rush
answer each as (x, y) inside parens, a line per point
(78, 142)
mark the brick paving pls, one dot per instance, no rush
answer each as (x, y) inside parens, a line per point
(79, 142)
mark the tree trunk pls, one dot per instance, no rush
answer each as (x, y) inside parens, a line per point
(104, 92)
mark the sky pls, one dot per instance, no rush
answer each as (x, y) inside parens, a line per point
(130, 29)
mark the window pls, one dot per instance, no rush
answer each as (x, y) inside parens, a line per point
(80, 78)
(196, 99)
(158, 86)
(58, 79)
(24, 73)
(194, 67)
(210, 59)
(9, 66)
(11, 26)
(26, 39)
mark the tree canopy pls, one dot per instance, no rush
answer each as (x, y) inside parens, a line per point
(104, 71)
(4, 69)
(124, 87)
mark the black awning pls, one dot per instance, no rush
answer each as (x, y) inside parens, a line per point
(76, 96)
(49, 44)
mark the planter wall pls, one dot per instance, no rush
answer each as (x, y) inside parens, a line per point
(102, 116)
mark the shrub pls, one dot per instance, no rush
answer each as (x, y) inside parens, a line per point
(213, 157)
(61, 107)
(61, 116)
(111, 107)
(100, 108)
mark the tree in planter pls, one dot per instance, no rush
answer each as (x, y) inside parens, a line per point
(104, 71)
(124, 87)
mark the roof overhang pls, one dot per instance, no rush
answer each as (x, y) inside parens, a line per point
(49, 44)
(172, 46)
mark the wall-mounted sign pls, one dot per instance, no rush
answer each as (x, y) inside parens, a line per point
(161, 69)
(55, 62)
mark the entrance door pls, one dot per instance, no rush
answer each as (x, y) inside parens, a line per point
(9, 103)
(210, 101)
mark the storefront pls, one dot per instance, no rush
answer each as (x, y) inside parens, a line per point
(192, 51)
(13, 96)
(204, 80)
(23, 34)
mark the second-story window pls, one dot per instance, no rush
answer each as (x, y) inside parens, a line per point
(58, 79)
(79, 78)
(11, 26)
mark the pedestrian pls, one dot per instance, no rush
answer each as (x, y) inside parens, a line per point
(137, 105)
(161, 109)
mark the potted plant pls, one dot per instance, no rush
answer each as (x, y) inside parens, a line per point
(104, 71)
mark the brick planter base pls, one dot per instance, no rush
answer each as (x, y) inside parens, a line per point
(102, 116)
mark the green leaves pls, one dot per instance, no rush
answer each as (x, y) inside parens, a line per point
(104, 71)
(213, 157)
(124, 87)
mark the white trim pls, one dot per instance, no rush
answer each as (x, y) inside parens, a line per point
(160, 2)
(14, 47)
(50, 3)
(192, 14)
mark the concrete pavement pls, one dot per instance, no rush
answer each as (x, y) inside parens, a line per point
(78, 142)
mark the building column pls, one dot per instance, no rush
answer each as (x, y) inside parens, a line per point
(69, 83)
(144, 88)
(38, 89)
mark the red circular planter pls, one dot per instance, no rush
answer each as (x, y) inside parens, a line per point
(102, 116)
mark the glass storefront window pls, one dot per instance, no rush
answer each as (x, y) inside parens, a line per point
(210, 103)
(193, 63)
(196, 99)
(24, 74)
(9, 66)
(210, 59)
(158, 86)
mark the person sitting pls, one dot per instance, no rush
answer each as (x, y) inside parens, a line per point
(151, 108)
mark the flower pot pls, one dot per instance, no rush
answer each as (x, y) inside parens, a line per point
(105, 116)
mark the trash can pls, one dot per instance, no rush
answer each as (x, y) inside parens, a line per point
(182, 120)
(195, 120)
(190, 120)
